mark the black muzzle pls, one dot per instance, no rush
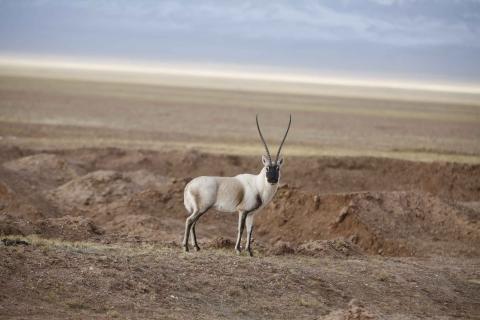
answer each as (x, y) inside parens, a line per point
(272, 174)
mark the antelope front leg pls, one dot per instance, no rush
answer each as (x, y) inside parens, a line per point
(249, 223)
(241, 223)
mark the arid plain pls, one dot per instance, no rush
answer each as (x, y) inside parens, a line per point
(377, 215)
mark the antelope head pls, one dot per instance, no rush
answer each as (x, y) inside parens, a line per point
(272, 168)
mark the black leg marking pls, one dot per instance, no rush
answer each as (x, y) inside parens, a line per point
(249, 239)
(249, 223)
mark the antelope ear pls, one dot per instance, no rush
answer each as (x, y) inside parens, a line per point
(265, 161)
(280, 162)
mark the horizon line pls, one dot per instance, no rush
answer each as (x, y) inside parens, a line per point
(233, 72)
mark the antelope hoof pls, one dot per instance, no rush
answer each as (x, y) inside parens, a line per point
(250, 252)
(238, 250)
(185, 249)
(197, 248)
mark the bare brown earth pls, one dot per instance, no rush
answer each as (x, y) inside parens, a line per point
(396, 249)
(346, 237)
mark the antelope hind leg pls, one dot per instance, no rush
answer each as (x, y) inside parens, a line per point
(194, 236)
(188, 225)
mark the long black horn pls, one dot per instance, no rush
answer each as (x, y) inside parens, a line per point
(263, 140)
(284, 137)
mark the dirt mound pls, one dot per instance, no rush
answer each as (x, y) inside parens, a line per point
(137, 203)
(103, 187)
(65, 228)
(410, 223)
(333, 248)
(20, 198)
(389, 223)
(281, 248)
(338, 248)
(221, 243)
(69, 228)
(45, 170)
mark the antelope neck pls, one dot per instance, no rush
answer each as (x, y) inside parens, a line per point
(265, 189)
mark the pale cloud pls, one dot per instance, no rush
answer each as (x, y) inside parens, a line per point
(290, 20)
(410, 23)
(390, 2)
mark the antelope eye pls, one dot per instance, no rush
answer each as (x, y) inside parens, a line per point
(267, 168)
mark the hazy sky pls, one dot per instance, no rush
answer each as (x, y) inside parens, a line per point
(415, 39)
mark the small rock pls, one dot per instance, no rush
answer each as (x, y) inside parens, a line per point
(316, 201)
(353, 238)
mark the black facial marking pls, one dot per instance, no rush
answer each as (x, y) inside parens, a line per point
(273, 172)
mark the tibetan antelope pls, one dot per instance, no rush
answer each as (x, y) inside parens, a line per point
(246, 194)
